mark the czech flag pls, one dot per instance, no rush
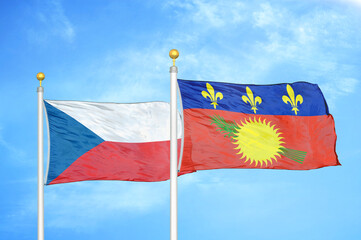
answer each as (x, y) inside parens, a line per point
(281, 126)
(108, 141)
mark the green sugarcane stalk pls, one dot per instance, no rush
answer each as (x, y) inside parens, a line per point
(227, 128)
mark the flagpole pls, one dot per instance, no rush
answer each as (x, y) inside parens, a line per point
(40, 76)
(173, 148)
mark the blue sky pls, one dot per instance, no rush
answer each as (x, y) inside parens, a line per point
(118, 51)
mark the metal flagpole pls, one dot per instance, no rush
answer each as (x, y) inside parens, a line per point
(40, 76)
(173, 148)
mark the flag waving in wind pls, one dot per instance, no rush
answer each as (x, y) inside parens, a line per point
(108, 141)
(281, 126)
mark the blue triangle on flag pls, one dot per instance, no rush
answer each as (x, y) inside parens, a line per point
(69, 140)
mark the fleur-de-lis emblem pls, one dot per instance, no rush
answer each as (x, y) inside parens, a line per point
(291, 99)
(211, 96)
(251, 100)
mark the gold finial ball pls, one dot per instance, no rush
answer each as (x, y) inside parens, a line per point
(173, 53)
(40, 76)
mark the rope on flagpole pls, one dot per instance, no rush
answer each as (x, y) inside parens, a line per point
(40, 76)
(173, 148)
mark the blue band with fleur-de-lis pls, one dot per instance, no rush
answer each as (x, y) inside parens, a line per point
(297, 99)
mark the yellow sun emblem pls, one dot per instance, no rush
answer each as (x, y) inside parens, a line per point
(258, 141)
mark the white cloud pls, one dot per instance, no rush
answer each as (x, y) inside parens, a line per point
(348, 85)
(302, 40)
(82, 206)
(53, 22)
(356, 3)
(313, 44)
(267, 16)
(13, 151)
(211, 13)
(338, 87)
(85, 204)
(134, 75)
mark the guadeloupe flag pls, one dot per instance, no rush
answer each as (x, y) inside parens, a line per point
(108, 141)
(280, 126)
